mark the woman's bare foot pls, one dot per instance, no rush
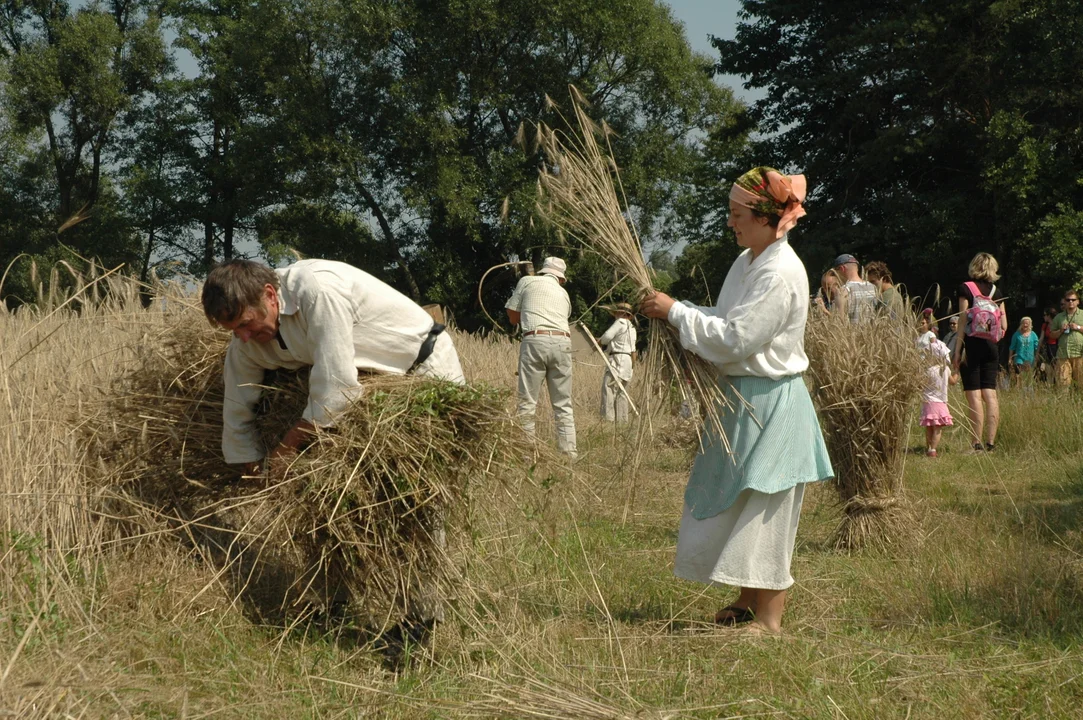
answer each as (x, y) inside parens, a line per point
(758, 628)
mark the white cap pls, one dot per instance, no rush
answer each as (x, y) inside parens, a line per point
(553, 266)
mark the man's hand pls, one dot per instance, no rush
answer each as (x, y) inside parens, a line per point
(279, 459)
(657, 306)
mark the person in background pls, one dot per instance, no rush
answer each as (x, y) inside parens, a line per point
(952, 333)
(829, 285)
(856, 298)
(889, 300)
(977, 356)
(1022, 352)
(540, 305)
(1047, 347)
(743, 500)
(935, 415)
(1067, 330)
(926, 328)
(619, 342)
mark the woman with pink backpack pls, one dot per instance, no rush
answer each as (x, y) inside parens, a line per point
(977, 355)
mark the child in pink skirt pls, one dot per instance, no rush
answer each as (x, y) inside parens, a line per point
(934, 409)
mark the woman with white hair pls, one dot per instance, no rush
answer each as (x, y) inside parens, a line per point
(977, 351)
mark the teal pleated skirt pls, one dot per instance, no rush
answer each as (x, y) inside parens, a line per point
(775, 443)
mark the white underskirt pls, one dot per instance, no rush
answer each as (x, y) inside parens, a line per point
(750, 544)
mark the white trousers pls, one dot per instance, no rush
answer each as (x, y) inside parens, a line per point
(614, 402)
(548, 358)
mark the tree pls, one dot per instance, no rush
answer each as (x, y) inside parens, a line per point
(927, 130)
(419, 116)
(69, 76)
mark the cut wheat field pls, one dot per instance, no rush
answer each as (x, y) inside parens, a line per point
(567, 606)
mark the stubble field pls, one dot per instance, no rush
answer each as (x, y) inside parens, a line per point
(567, 607)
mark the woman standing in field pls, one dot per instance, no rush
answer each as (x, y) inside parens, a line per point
(1024, 349)
(977, 356)
(742, 505)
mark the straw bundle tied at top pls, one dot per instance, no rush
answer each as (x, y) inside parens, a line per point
(360, 515)
(578, 195)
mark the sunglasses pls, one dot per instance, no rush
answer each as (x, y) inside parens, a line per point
(1071, 299)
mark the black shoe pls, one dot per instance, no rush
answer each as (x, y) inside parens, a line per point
(990, 447)
(978, 448)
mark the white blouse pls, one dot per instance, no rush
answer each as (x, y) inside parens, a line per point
(757, 327)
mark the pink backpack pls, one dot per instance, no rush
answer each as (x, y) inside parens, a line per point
(983, 318)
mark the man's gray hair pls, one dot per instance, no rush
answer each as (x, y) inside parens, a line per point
(234, 286)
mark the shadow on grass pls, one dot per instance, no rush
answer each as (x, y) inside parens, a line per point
(296, 595)
(1025, 600)
(1050, 510)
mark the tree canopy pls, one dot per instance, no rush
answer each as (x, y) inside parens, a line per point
(928, 131)
(393, 134)
(398, 135)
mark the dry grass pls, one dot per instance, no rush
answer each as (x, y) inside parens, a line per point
(582, 196)
(567, 607)
(360, 518)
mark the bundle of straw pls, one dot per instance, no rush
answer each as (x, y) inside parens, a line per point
(866, 379)
(360, 517)
(579, 196)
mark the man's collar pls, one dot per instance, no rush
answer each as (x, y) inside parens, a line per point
(287, 305)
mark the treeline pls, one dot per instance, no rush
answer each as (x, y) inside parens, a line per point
(397, 135)
(928, 131)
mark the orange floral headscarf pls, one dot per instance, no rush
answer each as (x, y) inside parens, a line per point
(769, 192)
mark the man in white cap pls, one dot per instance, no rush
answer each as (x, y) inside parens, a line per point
(540, 305)
(620, 343)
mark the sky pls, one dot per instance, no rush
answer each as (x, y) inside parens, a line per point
(703, 18)
(706, 17)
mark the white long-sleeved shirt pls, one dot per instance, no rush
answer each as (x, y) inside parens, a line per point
(621, 341)
(757, 328)
(336, 319)
(620, 337)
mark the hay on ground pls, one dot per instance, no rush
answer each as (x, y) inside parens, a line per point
(360, 518)
(866, 380)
